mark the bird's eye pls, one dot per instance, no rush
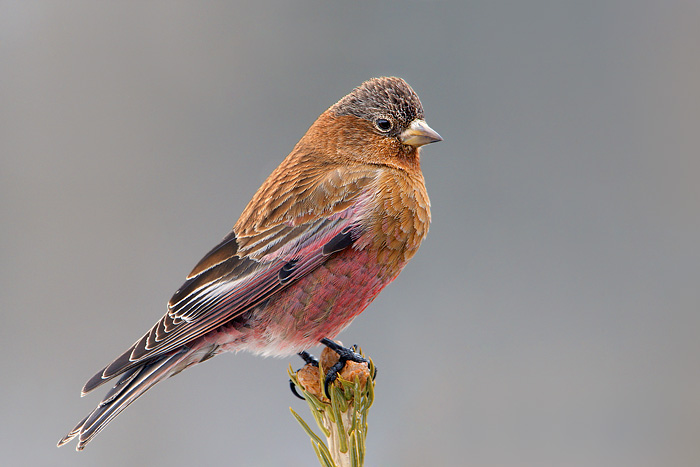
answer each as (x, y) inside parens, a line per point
(383, 124)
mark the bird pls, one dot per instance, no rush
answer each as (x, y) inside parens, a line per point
(333, 224)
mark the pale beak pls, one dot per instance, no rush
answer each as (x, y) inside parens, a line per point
(419, 133)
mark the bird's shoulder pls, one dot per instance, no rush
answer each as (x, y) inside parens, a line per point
(303, 192)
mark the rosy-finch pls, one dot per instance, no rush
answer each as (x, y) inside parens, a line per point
(327, 231)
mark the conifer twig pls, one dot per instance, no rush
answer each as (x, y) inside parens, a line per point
(342, 419)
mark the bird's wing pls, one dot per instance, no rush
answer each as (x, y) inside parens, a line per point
(241, 272)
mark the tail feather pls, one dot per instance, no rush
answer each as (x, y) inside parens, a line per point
(129, 387)
(120, 365)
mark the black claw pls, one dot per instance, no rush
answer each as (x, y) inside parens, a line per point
(331, 375)
(344, 355)
(293, 387)
(309, 360)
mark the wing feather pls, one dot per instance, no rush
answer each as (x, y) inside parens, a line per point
(248, 268)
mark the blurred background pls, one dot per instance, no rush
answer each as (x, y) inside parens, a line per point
(550, 318)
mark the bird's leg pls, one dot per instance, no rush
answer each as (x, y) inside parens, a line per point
(345, 354)
(309, 360)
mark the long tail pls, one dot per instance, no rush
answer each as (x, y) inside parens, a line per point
(130, 386)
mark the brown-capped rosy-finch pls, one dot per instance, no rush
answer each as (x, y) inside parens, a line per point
(327, 231)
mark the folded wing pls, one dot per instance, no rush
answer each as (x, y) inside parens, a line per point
(240, 273)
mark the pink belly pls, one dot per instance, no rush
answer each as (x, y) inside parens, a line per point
(319, 305)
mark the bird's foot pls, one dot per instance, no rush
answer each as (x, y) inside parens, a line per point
(345, 355)
(309, 360)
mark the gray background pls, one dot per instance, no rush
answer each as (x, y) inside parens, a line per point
(550, 318)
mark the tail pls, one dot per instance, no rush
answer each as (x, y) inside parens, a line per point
(130, 386)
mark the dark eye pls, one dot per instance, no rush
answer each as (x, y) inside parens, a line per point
(383, 124)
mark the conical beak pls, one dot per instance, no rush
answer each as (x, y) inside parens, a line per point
(419, 133)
